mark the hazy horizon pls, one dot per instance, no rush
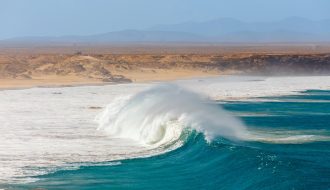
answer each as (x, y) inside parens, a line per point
(72, 17)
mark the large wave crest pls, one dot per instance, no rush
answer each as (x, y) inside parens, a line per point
(160, 115)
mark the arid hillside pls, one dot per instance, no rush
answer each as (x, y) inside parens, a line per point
(25, 65)
(126, 68)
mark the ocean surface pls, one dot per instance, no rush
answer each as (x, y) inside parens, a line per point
(167, 137)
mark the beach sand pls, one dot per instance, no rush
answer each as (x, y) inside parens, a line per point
(136, 77)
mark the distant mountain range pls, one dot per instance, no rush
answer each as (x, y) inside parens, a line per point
(229, 30)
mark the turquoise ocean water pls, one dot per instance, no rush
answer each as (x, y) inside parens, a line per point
(291, 151)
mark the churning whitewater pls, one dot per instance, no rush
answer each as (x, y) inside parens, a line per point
(159, 116)
(51, 139)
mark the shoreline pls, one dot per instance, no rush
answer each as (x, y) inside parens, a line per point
(18, 84)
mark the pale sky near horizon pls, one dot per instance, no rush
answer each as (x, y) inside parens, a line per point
(84, 17)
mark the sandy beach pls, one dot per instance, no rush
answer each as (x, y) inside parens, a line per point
(137, 77)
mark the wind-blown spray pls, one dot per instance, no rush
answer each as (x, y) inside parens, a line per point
(159, 116)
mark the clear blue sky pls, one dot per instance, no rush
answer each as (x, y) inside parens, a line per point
(82, 17)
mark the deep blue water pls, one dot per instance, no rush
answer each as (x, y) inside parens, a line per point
(224, 164)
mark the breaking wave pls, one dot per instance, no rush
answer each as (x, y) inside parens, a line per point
(161, 114)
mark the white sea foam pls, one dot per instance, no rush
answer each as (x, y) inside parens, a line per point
(287, 136)
(242, 88)
(43, 130)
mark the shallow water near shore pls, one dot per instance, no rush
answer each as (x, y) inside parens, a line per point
(184, 140)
